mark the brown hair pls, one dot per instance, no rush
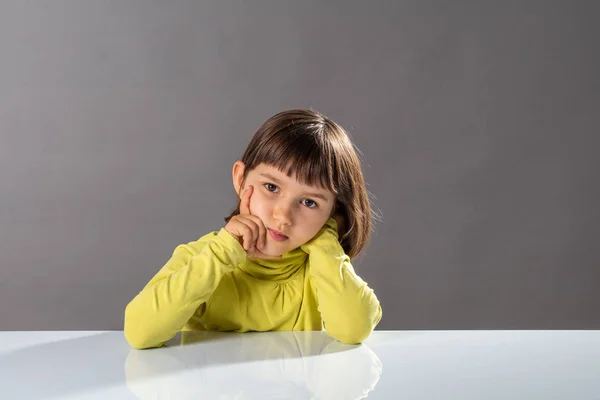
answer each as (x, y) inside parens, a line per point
(319, 152)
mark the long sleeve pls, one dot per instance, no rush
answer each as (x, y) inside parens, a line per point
(185, 282)
(349, 308)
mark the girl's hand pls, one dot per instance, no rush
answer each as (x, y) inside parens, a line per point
(248, 229)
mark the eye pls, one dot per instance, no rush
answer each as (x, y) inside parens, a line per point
(314, 204)
(268, 186)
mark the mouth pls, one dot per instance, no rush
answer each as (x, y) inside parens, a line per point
(276, 235)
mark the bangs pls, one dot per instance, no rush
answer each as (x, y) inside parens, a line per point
(299, 155)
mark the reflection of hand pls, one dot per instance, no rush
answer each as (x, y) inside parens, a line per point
(265, 365)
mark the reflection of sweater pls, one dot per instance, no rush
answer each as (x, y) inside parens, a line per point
(209, 284)
(272, 365)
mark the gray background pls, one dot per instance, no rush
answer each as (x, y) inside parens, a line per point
(478, 123)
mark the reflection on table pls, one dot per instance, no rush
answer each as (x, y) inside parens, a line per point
(273, 365)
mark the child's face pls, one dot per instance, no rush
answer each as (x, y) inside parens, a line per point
(285, 205)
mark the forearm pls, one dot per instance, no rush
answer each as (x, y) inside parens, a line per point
(172, 297)
(349, 308)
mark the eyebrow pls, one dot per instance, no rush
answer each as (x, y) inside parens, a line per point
(320, 196)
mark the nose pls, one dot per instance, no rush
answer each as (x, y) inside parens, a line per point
(282, 212)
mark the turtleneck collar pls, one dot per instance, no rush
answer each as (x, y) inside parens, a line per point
(277, 270)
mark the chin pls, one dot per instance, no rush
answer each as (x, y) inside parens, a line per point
(275, 252)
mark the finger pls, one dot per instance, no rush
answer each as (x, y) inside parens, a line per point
(247, 234)
(254, 226)
(245, 201)
(262, 235)
(250, 232)
(261, 232)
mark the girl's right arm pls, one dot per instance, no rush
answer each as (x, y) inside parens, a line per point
(174, 294)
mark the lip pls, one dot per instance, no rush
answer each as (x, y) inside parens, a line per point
(275, 235)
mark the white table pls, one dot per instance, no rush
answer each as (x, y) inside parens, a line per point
(303, 365)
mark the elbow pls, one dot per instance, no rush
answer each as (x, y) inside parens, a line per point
(140, 341)
(137, 341)
(356, 330)
(352, 333)
(136, 334)
(350, 337)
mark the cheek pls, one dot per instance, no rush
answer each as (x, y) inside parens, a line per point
(314, 228)
(258, 204)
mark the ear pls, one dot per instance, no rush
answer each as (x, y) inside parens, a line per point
(237, 173)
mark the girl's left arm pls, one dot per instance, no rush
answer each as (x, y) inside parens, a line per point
(348, 306)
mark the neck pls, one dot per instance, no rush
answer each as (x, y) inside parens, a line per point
(279, 270)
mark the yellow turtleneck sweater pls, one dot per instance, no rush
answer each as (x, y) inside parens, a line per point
(209, 284)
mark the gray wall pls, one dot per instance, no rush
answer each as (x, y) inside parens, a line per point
(478, 122)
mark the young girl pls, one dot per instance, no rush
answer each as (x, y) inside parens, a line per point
(282, 261)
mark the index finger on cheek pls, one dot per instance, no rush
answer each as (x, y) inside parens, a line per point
(245, 203)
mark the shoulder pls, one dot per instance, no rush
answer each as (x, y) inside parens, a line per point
(196, 246)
